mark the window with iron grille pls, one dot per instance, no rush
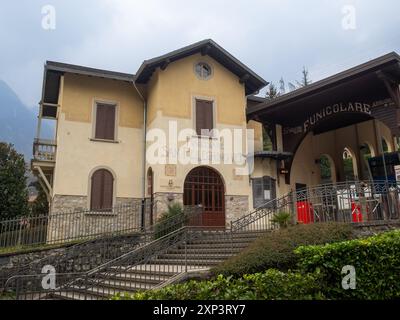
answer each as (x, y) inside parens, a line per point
(264, 190)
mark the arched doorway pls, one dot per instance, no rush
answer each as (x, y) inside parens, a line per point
(385, 146)
(204, 186)
(350, 169)
(367, 152)
(327, 169)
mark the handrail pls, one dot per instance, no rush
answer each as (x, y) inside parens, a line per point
(273, 206)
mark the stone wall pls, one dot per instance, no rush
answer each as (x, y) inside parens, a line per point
(236, 207)
(68, 258)
(71, 220)
(162, 200)
(370, 228)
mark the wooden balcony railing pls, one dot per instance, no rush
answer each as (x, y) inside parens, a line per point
(44, 150)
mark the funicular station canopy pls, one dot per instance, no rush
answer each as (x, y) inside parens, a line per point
(357, 104)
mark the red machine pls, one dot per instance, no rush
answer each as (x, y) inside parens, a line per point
(305, 212)
(356, 212)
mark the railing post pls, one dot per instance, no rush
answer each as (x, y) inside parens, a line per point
(294, 207)
(231, 237)
(186, 266)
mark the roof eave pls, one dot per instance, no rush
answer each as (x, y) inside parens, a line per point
(299, 93)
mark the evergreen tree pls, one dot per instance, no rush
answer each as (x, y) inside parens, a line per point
(272, 92)
(13, 188)
(282, 86)
(305, 80)
(266, 140)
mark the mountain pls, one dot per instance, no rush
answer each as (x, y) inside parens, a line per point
(18, 122)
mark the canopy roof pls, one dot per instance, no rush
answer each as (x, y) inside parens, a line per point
(374, 83)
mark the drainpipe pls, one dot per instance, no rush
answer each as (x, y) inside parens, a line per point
(144, 156)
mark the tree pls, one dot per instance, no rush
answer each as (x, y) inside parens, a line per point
(272, 92)
(40, 206)
(267, 143)
(282, 86)
(305, 80)
(13, 188)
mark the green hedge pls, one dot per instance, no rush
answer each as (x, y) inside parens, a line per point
(376, 261)
(275, 250)
(270, 285)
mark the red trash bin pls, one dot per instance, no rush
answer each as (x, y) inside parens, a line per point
(305, 212)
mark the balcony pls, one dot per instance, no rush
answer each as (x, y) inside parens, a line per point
(44, 150)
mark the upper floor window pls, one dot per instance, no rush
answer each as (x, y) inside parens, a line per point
(203, 70)
(105, 117)
(204, 117)
(102, 191)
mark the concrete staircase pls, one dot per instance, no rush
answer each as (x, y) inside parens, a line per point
(198, 255)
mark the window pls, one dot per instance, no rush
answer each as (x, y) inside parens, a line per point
(203, 70)
(204, 116)
(264, 190)
(102, 191)
(105, 122)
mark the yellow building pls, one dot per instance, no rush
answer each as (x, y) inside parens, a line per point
(108, 148)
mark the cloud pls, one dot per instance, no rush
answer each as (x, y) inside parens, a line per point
(274, 37)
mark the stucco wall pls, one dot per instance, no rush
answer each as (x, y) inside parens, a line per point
(171, 91)
(171, 95)
(78, 155)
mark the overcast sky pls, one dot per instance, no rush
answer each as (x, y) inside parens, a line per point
(275, 38)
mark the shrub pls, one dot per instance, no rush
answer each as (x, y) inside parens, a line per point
(171, 220)
(376, 261)
(276, 249)
(282, 219)
(270, 285)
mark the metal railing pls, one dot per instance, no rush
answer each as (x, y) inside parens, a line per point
(92, 257)
(175, 246)
(61, 228)
(44, 150)
(351, 201)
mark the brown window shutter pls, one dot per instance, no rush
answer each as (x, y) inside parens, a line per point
(96, 191)
(105, 122)
(204, 115)
(108, 187)
(102, 190)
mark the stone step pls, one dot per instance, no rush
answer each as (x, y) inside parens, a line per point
(120, 285)
(194, 256)
(238, 245)
(198, 262)
(153, 277)
(205, 250)
(168, 270)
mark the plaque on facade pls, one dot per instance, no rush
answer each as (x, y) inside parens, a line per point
(170, 170)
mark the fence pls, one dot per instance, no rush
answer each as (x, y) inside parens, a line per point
(352, 202)
(111, 259)
(59, 228)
